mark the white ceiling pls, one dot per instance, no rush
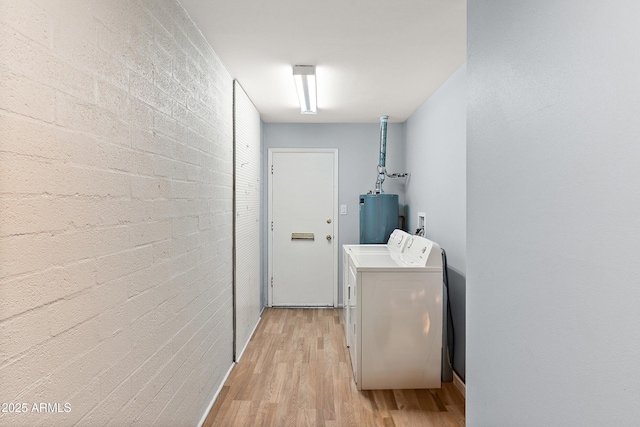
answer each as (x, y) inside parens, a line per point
(372, 57)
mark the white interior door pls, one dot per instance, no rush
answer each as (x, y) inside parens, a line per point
(303, 207)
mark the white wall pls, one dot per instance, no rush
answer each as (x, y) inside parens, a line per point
(358, 151)
(553, 213)
(436, 136)
(115, 213)
(248, 214)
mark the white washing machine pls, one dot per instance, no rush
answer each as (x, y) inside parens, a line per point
(396, 243)
(395, 316)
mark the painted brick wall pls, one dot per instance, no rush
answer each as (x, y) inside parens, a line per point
(115, 213)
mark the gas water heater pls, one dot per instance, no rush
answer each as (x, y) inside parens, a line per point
(379, 211)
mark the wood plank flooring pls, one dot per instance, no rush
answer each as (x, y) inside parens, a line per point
(296, 371)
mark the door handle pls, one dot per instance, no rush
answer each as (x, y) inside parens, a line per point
(329, 237)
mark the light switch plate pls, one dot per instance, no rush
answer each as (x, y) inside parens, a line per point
(343, 209)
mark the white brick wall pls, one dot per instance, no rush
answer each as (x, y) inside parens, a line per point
(115, 213)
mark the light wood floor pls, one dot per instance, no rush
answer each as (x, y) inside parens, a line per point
(296, 372)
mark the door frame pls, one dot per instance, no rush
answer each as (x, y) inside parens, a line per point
(271, 151)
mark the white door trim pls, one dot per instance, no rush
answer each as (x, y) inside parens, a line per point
(270, 216)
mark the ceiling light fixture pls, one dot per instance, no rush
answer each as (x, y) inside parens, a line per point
(305, 78)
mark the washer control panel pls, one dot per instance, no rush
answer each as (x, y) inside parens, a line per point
(418, 251)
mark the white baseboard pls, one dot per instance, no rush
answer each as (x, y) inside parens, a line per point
(239, 356)
(224, 380)
(215, 396)
(462, 388)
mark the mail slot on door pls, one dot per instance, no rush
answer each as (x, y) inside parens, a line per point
(302, 236)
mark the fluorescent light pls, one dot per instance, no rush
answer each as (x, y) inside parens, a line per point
(305, 78)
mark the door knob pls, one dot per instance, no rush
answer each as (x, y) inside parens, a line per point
(329, 221)
(328, 237)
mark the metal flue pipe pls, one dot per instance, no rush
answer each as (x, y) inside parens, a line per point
(383, 154)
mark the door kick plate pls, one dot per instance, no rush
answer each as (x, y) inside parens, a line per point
(302, 236)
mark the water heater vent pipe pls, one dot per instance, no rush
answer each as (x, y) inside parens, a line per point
(382, 170)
